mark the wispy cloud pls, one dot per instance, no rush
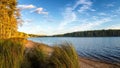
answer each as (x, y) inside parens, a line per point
(26, 6)
(40, 11)
(102, 14)
(110, 5)
(86, 25)
(48, 18)
(85, 5)
(69, 16)
(90, 25)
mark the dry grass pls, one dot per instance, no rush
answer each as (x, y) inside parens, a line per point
(11, 54)
(14, 55)
(63, 56)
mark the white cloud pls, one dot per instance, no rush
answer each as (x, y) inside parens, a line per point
(49, 18)
(82, 2)
(90, 25)
(40, 11)
(69, 16)
(83, 8)
(26, 6)
(92, 9)
(102, 14)
(85, 5)
(86, 25)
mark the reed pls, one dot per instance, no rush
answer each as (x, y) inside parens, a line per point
(11, 54)
(63, 56)
(14, 55)
(35, 58)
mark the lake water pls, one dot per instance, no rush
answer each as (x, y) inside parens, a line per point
(99, 48)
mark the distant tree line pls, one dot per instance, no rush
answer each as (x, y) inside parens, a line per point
(34, 35)
(95, 33)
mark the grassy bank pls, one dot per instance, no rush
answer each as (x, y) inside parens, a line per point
(11, 54)
(14, 55)
(63, 56)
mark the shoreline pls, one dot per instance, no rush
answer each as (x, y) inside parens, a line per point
(90, 63)
(84, 62)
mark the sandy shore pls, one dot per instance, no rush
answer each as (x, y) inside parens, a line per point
(88, 63)
(84, 62)
(45, 48)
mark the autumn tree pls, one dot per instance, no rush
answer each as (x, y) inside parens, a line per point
(8, 18)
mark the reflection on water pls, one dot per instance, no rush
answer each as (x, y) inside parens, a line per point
(99, 48)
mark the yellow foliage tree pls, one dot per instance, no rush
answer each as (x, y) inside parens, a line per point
(8, 19)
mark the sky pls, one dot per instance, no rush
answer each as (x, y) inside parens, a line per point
(49, 17)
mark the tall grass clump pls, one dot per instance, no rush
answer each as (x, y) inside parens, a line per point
(11, 54)
(35, 58)
(63, 56)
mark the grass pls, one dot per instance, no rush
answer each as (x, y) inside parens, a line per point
(11, 54)
(63, 56)
(14, 55)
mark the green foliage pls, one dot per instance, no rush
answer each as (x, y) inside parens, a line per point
(11, 54)
(34, 35)
(95, 33)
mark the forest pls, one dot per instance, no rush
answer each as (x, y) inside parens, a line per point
(92, 33)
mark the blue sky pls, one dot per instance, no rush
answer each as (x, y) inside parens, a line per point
(49, 17)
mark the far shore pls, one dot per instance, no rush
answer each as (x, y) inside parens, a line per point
(84, 62)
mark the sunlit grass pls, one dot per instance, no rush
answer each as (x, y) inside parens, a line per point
(11, 54)
(14, 55)
(63, 56)
(35, 58)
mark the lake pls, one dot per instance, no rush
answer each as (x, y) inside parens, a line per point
(98, 48)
